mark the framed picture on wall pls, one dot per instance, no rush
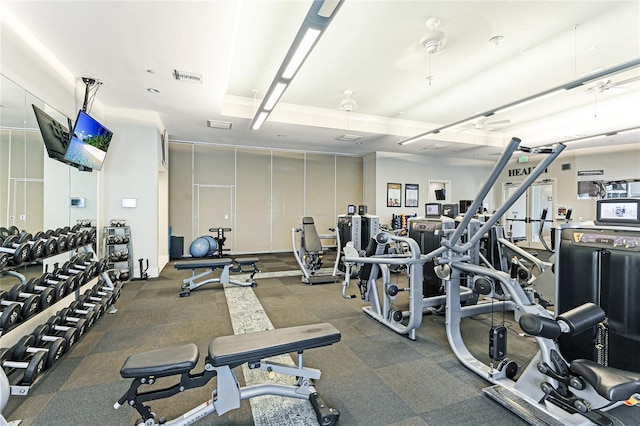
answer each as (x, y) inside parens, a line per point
(394, 195)
(411, 195)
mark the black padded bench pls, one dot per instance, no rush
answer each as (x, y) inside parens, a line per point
(239, 264)
(226, 353)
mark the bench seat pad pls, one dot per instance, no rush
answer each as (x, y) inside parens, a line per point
(161, 362)
(202, 263)
(246, 260)
(251, 347)
(611, 383)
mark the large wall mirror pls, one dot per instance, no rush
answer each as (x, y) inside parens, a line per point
(35, 191)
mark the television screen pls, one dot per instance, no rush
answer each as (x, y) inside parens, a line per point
(433, 210)
(440, 194)
(618, 211)
(89, 142)
(464, 205)
(54, 134)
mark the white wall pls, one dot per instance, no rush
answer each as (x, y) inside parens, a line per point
(466, 176)
(130, 170)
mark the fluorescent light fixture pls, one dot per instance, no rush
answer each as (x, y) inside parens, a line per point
(315, 23)
(301, 52)
(533, 98)
(259, 120)
(518, 104)
(272, 99)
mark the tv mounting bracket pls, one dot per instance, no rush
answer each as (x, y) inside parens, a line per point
(89, 82)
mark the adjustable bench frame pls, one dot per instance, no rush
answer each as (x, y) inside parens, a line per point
(212, 265)
(226, 353)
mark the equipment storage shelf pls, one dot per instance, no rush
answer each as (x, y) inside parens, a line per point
(118, 246)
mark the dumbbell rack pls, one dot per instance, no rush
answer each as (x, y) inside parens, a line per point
(11, 337)
(110, 247)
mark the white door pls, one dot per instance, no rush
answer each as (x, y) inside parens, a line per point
(214, 205)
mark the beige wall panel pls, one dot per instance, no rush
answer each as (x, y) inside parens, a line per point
(253, 201)
(214, 165)
(349, 175)
(180, 192)
(320, 191)
(288, 197)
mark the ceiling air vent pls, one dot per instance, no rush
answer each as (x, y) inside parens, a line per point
(191, 77)
(348, 138)
(215, 124)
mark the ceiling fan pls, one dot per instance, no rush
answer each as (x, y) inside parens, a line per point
(608, 84)
(483, 124)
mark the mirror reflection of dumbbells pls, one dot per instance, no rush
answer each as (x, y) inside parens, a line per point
(53, 350)
(28, 306)
(36, 246)
(22, 370)
(61, 240)
(50, 244)
(18, 253)
(79, 236)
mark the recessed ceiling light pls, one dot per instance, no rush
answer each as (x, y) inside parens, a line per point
(152, 90)
(528, 50)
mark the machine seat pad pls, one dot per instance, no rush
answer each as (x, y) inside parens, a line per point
(202, 263)
(611, 383)
(246, 260)
(161, 362)
(240, 348)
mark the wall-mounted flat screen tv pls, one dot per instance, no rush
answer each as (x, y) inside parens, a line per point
(89, 142)
(54, 134)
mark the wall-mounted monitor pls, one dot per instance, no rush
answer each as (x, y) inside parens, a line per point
(432, 210)
(450, 210)
(618, 211)
(54, 134)
(89, 142)
(440, 194)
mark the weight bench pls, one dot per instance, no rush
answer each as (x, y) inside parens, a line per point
(227, 266)
(226, 353)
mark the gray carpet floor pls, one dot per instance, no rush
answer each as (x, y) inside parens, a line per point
(373, 376)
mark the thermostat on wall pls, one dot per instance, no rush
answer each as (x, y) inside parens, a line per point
(129, 203)
(77, 201)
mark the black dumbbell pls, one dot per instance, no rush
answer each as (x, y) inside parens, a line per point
(90, 301)
(19, 292)
(44, 333)
(75, 313)
(4, 260)
(67, 273)
(75, 266)
(57, 323)
(53, 292)
(50, 244)
(53, 350)
(32, 366)
(105, 297)
(116, 290)
(61, 240)
(37, 246)
(4, 232)
(9, 315)
(80, 236)
(20, 253)
(28, 306)
(61, 287)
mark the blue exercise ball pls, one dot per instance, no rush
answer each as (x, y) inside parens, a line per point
(213, 244)
(199, 247)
